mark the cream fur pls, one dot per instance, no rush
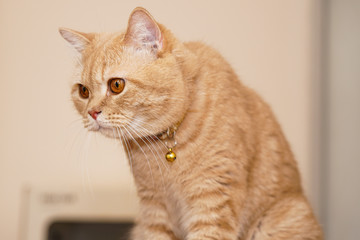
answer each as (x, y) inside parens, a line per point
(235, 176)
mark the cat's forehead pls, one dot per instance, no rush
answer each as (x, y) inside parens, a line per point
(109, 58)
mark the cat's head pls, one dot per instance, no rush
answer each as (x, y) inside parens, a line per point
(136, 81)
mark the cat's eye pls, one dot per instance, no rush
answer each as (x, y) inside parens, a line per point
(83, 91)
(116, 85)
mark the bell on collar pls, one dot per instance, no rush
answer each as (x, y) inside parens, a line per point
(170, 155)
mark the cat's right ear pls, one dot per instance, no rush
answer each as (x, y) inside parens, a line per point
(77, 39)
(143, 31)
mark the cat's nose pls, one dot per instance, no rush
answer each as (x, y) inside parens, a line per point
(94, 114)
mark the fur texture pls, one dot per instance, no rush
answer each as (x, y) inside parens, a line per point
(235, 176)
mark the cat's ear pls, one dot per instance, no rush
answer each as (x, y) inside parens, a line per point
(78, 39)
(143, 31)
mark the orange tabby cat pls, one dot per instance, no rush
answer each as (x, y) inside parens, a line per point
(228, 172)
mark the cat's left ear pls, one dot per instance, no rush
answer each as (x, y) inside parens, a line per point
(143, 31)
(78, 39)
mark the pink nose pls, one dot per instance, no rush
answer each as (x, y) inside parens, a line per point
(94, 114)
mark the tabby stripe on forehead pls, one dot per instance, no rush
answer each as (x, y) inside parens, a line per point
(83, 74)
(107, 42)
(103, 71)
(90, 73)
(95, 58)
(100, 58)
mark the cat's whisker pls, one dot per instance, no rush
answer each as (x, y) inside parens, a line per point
(146, 130)
(86, 124)
(146, 135)
(141, 149)
(150, 148)
(128, 149)
(141, 137)
(73, 122)
(117, 135)
(74, 142)
(114, 136)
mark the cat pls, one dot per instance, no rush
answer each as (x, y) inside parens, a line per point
(208, 158)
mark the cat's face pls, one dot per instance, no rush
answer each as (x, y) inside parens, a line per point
(124, 86)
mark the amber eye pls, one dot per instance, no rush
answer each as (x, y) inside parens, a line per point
(116, 85)
(83, 91)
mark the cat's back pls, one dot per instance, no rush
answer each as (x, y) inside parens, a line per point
(250, 118)
(218, 82)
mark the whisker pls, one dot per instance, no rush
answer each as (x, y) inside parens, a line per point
(146, 130)
(148, 133)
(157, 162)
(114, 136)
(138, 125)
(152, 177)
(74, 140)
(73, 122)
(128, 150)
(152, 141)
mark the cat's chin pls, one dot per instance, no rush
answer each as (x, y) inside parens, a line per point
(116, 133)
(104, 130)
(109, 132)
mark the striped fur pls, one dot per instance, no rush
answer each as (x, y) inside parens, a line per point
(235, 176)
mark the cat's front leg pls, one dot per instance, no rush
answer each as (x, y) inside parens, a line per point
(152, 223)
(213, 206)
(219, 224)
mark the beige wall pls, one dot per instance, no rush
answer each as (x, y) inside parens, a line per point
(269, 43)
(342, 152)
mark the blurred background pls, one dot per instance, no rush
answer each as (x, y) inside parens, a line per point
(301, 56)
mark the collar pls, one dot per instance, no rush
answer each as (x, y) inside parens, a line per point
(170, 132)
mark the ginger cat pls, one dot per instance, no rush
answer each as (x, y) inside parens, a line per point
(228, 172)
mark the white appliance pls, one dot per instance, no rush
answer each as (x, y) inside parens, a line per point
(62, 213)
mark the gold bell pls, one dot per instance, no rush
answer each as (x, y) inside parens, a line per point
(170, 155)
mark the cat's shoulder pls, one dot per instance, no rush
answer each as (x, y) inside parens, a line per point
(208, 56)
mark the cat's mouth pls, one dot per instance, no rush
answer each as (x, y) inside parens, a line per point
(111, 130)
(107, 130)
(131, 128)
